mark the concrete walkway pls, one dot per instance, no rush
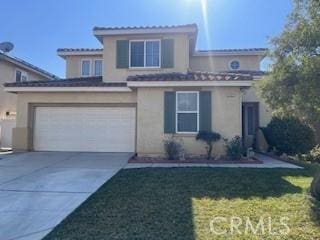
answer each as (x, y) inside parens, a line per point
(39, 189)
(268, 162)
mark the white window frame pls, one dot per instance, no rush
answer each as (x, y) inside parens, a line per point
(94, 66)
(90, 67)
(197, 112)
(229, 65)
(145, 53)
(23, 73)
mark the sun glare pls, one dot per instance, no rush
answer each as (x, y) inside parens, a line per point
(204, 7)
(204, 12)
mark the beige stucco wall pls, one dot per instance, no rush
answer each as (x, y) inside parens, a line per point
(73, 64)
(250, 95)
(8, 74)
(111, 73)
(226, 119)
(221, 63)
(22, 133)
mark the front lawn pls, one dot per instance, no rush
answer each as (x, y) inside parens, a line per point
(183, 203)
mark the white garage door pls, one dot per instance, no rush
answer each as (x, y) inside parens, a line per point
(92, 129)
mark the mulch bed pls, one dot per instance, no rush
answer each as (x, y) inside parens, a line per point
(136, 159)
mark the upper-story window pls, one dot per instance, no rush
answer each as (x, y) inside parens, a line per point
(234, 65)
(144, 53)
(98, 67)
(21, 76)
(91, 68)
(85, 68)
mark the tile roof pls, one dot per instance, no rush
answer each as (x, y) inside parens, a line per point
(28, 65)
(144, 27)
(253, 73)
(192, 76)
(233, 50)
(69, 82)
(97, 81)
(79, 49)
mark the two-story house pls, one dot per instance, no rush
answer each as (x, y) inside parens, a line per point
(145, 85)
(14, 70)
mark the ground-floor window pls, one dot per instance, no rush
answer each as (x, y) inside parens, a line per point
(187, 112)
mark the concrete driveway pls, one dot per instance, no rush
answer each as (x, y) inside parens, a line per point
(39, 189)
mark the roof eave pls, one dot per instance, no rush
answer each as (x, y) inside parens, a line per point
(114, 32)
(65, 54)
(244, 83)
(66, 89)
(231, 53)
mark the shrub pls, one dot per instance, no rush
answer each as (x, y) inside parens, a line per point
(173, 149)
(289, 135)
(315, 199)
(209, 138)
(315, 188)
(235, 148)
(314, 155)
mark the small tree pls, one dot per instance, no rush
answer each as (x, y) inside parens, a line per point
(209, 138)
(292, 87)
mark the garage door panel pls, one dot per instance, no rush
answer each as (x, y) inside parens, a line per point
(84, 129)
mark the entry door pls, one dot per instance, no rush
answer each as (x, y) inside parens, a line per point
(85, 129)
(250, 122)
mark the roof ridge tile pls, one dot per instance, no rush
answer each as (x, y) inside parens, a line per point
(78, 49)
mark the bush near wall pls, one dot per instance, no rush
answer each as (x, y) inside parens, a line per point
(234, 148)
(289, 135)
(173, 149)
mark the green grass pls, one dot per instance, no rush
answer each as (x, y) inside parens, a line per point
(180, 203)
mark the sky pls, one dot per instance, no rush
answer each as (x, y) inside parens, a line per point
(38, 28)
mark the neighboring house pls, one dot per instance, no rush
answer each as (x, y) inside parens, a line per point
(153, 85)
(14, 70)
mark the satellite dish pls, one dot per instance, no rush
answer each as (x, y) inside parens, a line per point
(6, 47)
